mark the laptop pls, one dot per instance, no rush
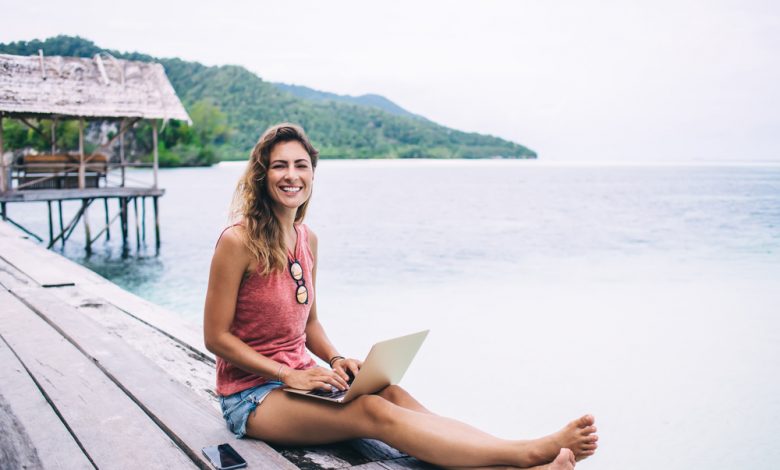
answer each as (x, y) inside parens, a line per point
(385, 364)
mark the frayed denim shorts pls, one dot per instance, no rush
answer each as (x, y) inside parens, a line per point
(236, 408)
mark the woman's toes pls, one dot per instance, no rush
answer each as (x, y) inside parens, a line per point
(591, 438)
(585, 421)
(588, 430)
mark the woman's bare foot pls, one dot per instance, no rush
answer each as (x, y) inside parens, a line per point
(579, 437)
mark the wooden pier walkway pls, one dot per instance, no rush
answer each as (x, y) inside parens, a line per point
(95, 377)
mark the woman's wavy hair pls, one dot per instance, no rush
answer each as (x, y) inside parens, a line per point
(252, 206)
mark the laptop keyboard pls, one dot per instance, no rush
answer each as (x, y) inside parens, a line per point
(332, 394)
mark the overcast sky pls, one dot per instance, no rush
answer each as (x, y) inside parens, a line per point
(573, 80)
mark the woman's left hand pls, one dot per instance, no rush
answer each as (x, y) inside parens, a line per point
(343, 367)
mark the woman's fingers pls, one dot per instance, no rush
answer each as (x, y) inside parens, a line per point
(339, 369)
(332, 378)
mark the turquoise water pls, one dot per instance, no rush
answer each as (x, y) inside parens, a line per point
(645, 294)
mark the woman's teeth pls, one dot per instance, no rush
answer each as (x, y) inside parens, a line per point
(289, 189)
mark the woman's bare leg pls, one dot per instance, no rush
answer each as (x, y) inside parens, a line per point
(287, 419)
(578, 436)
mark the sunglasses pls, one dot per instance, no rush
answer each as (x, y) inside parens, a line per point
(301, 293)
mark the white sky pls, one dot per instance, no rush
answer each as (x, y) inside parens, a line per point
(574, 80)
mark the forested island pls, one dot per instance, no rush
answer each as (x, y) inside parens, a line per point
(230, 106)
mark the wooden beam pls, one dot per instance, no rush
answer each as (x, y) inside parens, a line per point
(34, 128)
(122, 148)
(53, 136)
(4, 186)
(82, 182)
(154, 145)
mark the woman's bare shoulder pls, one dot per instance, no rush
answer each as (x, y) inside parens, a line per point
(312, 239)
(232, 243)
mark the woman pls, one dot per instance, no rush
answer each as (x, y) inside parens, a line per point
(261, 321)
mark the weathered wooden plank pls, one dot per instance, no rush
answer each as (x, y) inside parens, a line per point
(17, 253)
(373, 449)
(188, 419)
(114, 432)
(50, 269)
(154, 315)
(32, 434)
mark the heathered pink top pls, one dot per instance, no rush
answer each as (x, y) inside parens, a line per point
(270, 320)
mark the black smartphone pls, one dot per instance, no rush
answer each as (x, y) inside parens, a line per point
(224, 457)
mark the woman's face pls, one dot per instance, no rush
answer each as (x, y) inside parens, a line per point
(290, 174)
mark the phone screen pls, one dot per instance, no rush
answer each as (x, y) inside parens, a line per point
(224, 457)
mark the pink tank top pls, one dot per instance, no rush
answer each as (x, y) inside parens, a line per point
(271, 321)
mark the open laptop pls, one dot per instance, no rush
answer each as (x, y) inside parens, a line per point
(385, 364)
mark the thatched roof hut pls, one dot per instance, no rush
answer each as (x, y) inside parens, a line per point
(100, 87)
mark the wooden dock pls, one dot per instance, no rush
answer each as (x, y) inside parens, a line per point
(95, 377)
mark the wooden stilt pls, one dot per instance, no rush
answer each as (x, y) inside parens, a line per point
(82, 177)
(4, 171)
(62, 227)
(108, 222)
(87, 234)
(156, 163)
(51, 224)
(122, 152)
(123, 224)
(53, 136)
(3, 209)
(143, 218)
(137, 226)
(156, 225)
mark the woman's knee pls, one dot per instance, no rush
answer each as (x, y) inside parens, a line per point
(395, 394)
(378, 410)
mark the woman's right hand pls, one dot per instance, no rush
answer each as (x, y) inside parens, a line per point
(309, 379)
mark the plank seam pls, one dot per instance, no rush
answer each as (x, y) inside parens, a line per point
(51, 403)
(192, 454)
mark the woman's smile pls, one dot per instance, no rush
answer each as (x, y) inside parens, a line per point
(290, 174)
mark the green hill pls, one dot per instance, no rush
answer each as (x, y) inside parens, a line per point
(243, 105)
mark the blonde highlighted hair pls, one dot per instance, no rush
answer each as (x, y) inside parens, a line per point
(252, 206)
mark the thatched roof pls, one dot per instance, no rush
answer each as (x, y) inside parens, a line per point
(100, 87)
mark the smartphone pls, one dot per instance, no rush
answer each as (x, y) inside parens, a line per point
(224, 457)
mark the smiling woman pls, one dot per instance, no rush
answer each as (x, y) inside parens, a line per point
(261, 322)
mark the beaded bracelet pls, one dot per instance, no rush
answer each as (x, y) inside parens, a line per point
(334, 359)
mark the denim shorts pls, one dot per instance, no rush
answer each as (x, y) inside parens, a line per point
(236, 408)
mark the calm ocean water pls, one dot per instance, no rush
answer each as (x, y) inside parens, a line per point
(648, 295)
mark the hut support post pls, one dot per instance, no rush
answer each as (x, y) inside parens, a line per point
(62, 226)
(53, 136)
(137, 227)
(51, 224)
(87, 232)
(4, 186)
(122, 152)
(156, 154)
(123, 223)
(143, 218)
(82, 182)
(108, 222)
(156, 225)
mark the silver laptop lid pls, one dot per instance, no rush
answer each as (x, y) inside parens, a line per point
(386, 364)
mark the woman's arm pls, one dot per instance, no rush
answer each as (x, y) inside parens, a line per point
(231, 260)
(316, 339)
